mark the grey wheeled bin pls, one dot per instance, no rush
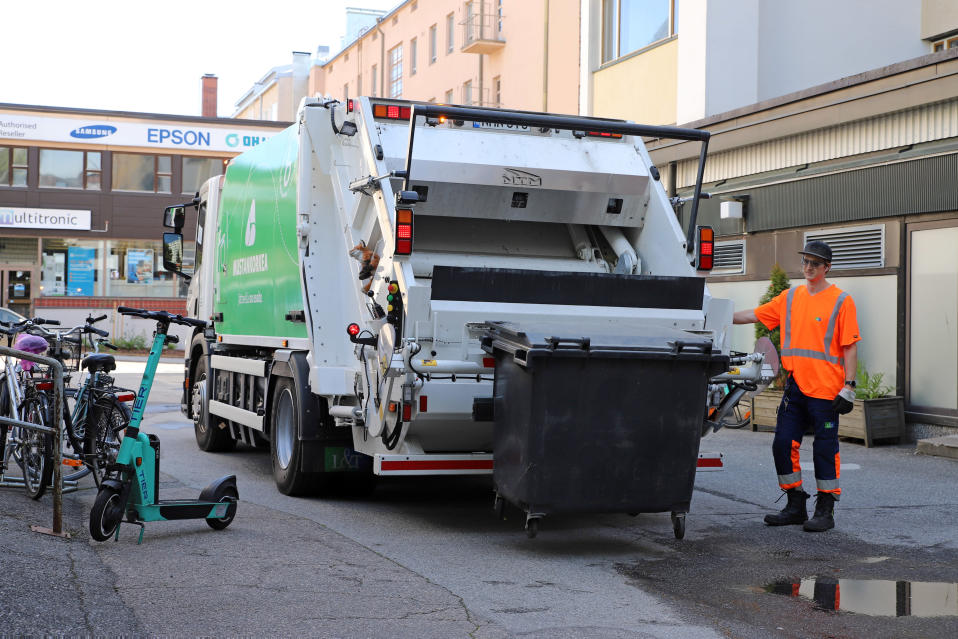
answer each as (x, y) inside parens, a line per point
(603, 423)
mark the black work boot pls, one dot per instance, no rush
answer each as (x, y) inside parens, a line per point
(794, 511)
(822, 520)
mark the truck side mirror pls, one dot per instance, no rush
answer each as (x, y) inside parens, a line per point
(174, 216)
(173, 253)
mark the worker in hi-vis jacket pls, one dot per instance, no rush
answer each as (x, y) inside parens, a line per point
(819, 348)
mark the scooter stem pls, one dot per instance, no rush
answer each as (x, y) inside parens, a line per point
(139, 406)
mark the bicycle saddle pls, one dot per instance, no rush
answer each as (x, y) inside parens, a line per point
(99, 362)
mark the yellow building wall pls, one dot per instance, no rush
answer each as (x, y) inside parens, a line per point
(641, 88)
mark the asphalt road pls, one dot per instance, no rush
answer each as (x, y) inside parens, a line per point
(426, 557)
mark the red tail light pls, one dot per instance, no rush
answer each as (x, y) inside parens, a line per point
(125, 397)
(406, 412)
(349, 106)
(391, 111)
(603, 134)
(44, 386)
(705, 247)
(423, 403)
(404, 233)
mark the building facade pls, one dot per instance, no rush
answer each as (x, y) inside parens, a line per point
(843, 129)
(82, 193)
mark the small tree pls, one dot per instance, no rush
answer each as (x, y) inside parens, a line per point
(779, 283)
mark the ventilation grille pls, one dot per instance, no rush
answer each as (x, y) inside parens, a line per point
(854, 246)
(729, 257)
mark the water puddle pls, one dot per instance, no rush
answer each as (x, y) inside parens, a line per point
(874, 597)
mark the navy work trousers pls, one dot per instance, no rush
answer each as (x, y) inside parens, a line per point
(796, 412)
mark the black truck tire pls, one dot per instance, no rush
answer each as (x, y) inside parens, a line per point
(286, 450)
(209, 436)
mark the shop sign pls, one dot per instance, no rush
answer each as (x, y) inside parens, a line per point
(18, 218)
(157, 134)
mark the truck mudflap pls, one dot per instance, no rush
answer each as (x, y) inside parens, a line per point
(481, 464)
(599, 423)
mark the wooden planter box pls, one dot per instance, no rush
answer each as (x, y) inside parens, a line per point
(871, 419)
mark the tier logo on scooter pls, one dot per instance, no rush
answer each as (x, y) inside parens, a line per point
(515, 177)
(251, 225)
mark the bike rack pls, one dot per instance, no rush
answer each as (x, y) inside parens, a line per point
(58, 396)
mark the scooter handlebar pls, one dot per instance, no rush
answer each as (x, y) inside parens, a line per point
(160, 316)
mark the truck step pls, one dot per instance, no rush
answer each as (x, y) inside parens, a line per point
(481, 464)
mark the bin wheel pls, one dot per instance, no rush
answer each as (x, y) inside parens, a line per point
(678, 525)
(499, 506)
(532, 527)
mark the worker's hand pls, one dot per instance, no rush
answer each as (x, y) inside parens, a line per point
(844, 402)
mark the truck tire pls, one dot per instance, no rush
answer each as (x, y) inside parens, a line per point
(209, 437)
(287, 450)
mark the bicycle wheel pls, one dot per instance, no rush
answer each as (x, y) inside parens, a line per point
(738, 417)
(36, 448)
(103, 433)
(74, 438)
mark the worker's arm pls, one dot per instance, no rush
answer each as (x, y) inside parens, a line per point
(744, 317)
(850, 353)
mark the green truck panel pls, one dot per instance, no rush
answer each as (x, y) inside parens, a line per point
(258, 279)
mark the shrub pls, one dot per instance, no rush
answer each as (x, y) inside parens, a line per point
(869, 386)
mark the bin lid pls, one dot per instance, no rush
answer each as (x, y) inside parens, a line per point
(547, 338)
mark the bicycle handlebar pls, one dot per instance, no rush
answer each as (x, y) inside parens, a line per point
(93, 320)
(160, 316)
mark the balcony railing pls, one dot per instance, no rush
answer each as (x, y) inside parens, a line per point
(482, 33)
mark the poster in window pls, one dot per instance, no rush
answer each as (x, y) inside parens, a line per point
(139, 266)
(80, 265)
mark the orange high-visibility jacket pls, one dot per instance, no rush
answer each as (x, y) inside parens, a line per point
(815, 330)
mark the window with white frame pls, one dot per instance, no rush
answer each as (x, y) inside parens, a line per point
(630, 25)
(449, 96)
(450, 34)
(853, 246)
(433, 43)
(729, 257)
(413, 54)
(374, 80)
(395, 72)
(467, 92)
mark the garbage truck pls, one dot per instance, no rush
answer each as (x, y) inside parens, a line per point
(379, 278)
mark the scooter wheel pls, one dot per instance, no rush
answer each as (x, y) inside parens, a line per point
(229, 495)
(106, 514)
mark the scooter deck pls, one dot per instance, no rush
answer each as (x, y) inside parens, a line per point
(170, 509)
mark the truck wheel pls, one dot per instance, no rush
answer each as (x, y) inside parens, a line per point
(287, 449)
(209, 437)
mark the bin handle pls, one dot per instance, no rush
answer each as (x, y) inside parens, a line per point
(679, 344)
(582, 342)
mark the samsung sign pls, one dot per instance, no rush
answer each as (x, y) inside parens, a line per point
(44, 219)
(130, 133)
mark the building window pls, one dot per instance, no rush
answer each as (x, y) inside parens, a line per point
(467, 92)
(395, 72)
(449, 96)
(853, 246)
(433, 43)
(346, 91)
(13, 166)
(374, 81)
(196, 171)
(359, 85)
(450, 34)
(497, 88)
(61, 169)
(142, 173)
(470, 35)
(629, 25)
(413, 54)
(948, 43)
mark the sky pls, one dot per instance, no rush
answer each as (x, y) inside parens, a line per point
(149, 57)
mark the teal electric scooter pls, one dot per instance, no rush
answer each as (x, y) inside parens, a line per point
(131, 483)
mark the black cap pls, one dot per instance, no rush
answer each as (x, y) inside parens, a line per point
(817, 248)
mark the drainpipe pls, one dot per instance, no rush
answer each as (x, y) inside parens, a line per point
(382, 58)
(545, 61)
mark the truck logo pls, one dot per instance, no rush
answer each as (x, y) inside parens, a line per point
(515, 177)
(92, 131)
(251, 225)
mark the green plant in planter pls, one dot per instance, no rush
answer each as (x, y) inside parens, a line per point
(869, 386)
(136, 342)
(779, 283)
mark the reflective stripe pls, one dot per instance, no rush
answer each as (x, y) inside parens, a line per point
(827, 485)
(790, 478)
(829, 334)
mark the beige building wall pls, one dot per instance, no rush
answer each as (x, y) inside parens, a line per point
(641, 88)
(513, 67)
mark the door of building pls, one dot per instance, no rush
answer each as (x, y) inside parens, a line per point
(17, 289)
(932, 346)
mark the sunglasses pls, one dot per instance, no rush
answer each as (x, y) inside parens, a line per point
(812, 263)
